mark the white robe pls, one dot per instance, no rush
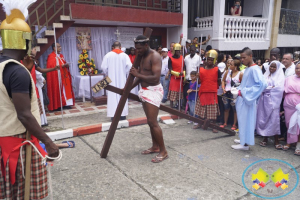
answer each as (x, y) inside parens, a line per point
(39, 84)
(116, 66)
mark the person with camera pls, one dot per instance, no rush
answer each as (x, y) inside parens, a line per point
(236, 10)
(232, 78)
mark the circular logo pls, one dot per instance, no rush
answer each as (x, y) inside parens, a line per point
(270, 178)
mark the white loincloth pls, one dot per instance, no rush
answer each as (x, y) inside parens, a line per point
(152, 94)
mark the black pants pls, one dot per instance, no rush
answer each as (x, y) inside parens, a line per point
(220, 118)
(186, 87)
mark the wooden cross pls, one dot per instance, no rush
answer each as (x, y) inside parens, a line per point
(124, 97)
(117, 33)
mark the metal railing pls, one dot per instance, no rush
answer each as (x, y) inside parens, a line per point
(289, 22)
(161, 5)
(49, 14)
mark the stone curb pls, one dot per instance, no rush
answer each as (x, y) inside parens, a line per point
(96, 128)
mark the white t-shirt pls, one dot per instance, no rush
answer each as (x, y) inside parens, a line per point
(221, 67)
(164, 66)
(290, 71)
(191, 64)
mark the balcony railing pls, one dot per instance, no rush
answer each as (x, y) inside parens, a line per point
(204, 23)
(244, 28)
(160, 5)
(289, 22)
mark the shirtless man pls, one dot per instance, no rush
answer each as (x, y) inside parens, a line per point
(151, 94)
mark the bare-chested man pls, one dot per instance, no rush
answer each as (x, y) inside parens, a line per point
(151, 94)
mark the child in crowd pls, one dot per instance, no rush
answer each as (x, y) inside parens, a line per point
(192, 93)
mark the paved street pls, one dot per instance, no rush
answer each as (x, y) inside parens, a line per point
(201, 165)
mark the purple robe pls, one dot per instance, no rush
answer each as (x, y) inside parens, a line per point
(268, 105)
(292, 98)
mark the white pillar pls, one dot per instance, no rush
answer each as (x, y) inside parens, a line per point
(185, 12)
(268, 7)
(218, 23)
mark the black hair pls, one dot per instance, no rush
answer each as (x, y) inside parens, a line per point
(141, 37)
(193, 73)
(159, 46)
(208, 47)
(254, 59)
(220, 57)
(131, 48)
(237, 64)
(53, 46)
(117, 44)
(247, 51)
(237, 1)
(193, 46)
(275, 50)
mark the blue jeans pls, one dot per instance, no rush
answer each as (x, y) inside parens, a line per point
(165, 83)
(191, 106)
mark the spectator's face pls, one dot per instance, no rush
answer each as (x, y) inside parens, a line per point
(273, 68)
(287, 60)
(159, 50)
(193, 77)
(177, 53)
(58, 48)
(259, 62)
(229, 64)
(164, 53)
(132, 52)
(192, 51)
(195, 40)
(237, 4)
(246, 59)
(210, 61)
(33, 52)
(171, 47)
(274, 56)
(297, 70)
(202, 51)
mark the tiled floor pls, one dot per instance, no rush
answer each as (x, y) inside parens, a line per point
(84, 108)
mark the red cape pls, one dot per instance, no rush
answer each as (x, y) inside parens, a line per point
(132, 57)
(52, 83)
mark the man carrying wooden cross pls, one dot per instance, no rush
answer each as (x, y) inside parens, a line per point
(151, 94)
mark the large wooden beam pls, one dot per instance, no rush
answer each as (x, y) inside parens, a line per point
(175, 112)
(124, 97)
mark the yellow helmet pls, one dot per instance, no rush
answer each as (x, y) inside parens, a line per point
(14, 29)
(176, 47)
(213, 54)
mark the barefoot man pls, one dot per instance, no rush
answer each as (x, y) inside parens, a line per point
(151, 93)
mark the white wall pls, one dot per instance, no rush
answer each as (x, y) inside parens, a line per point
(173, 35)
(288, 40)
(253, 7)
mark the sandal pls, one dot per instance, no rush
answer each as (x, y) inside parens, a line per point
(263, 144)
(196, 126)
(234, 127)
(159, 159)
(149, 151)
(297, 152)
(215, 131)
(223, 125)
(285, 147)
(69, 144)
(278, 146)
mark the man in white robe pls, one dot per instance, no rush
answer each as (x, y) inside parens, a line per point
(287, 61)
(40, 80)
(116, 64)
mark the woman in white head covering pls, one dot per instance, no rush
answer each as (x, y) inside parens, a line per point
(268, 107)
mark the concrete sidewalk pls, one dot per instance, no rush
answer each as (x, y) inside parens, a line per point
(202, 165)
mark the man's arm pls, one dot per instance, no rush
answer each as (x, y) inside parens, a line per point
(156, 70)
(22, 105)
(47, 70)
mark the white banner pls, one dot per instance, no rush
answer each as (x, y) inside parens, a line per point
(127, 35)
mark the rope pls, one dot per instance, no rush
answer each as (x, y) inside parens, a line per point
(44, 159)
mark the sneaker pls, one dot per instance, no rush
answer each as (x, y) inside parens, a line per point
(195, 124)
(240, 147)
(237, 141)
(189, 122)
(164, 101)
